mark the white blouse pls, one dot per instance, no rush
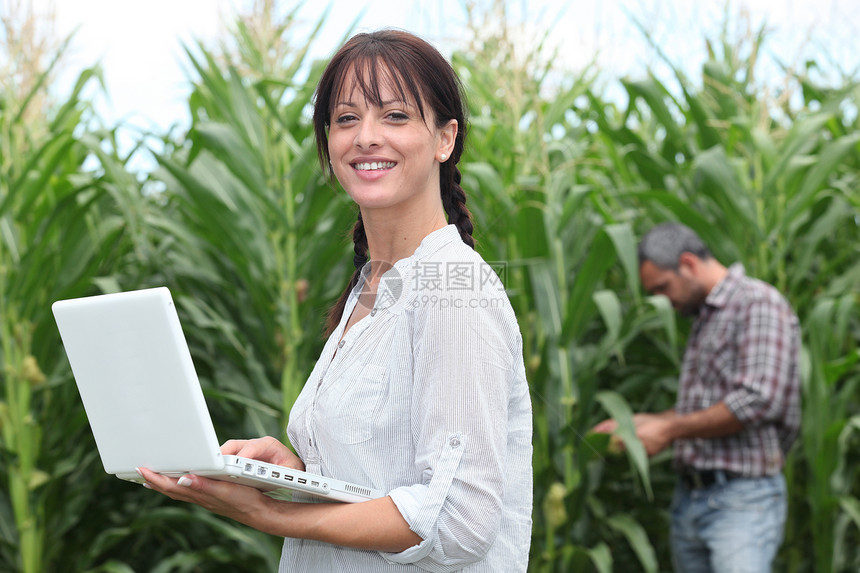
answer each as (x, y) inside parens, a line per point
(425, 398)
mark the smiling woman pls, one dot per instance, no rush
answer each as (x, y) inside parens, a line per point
(383, 82)
(386, 157)
(420, 389)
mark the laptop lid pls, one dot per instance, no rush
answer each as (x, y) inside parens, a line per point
(137, 382)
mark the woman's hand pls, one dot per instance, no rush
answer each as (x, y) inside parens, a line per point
(266, 449)
(376, 524)
(242, 503)
(239, 502)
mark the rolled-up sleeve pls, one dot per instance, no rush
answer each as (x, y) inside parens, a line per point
(463, 380)
(767, 378)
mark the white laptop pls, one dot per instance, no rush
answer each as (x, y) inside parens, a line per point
(144, 401)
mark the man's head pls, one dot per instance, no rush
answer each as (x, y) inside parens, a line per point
(674, 262)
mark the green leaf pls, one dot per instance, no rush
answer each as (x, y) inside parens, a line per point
(618, 408)
(580, 306)
(601, 557)
(610, 310)
(626, 249)
(636, 536)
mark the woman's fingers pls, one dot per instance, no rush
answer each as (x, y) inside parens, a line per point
(266, 449)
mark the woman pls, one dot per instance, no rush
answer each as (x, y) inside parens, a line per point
(420, 390)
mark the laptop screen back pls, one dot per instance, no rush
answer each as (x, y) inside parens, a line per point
(137, 382)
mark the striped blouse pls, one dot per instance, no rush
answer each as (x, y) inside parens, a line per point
(426, 399)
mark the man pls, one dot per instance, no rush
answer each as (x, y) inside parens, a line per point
(737, 410)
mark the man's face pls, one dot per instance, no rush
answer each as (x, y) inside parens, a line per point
(681, 287)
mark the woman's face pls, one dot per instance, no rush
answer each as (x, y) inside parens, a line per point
(387, 157)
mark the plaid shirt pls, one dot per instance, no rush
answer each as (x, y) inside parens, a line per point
(743, 350)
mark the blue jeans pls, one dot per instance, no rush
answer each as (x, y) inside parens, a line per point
(731, 526)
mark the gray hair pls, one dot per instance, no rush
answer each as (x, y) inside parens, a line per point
(663, 245)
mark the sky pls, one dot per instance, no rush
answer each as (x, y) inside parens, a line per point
(139, 44)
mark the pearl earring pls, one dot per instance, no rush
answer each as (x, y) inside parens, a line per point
(443, 157)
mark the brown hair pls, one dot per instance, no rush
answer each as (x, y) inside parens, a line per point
(417, 71)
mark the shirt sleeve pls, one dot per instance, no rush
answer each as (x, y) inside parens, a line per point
(766, 380)
(463, 380)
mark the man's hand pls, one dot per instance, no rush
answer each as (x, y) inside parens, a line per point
(653, 430)
(658, 431)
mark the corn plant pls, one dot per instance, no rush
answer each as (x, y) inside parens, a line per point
(259, 239)
(56, 216)
(73, 222)
(582, 173)
(543, 206)
(40, 182)
(780, 197)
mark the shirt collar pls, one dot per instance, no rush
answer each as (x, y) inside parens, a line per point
(395, 285)
(722, 292)
(432, 243)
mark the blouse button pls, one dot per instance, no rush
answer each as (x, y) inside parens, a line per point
(455, 442)
(373, 312)
(341, 343)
